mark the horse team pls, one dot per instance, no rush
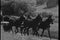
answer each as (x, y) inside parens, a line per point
(25, 26)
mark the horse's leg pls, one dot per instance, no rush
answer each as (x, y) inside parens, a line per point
(34, 31)
(49, 33)
(37, 31)
(27, 31)
(21, 30)
(24, 30)
(42, 33)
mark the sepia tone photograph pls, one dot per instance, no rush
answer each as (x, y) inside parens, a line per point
(29, 20)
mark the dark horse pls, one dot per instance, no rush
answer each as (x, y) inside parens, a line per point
(46, 25)
(27, 24)
(18, 23)
(34, 24)
(7, 27)
(21, 9)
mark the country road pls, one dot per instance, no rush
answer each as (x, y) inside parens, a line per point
(9, 36)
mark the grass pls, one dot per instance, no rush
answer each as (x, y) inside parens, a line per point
(53, 34)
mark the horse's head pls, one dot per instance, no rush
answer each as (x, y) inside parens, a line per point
(51, 19)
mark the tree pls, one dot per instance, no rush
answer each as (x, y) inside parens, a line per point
(18, 8)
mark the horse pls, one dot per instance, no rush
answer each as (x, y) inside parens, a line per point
(34, 24)
(27, 23)
(18, 22)
(7, 27)
(46, 25)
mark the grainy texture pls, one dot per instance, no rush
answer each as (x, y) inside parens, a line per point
(39, 9)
